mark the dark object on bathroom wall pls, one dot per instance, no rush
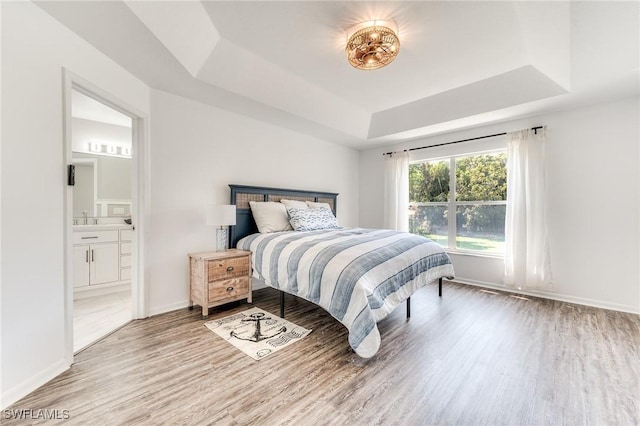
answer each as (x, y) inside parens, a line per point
(71, 179)
(127, 221)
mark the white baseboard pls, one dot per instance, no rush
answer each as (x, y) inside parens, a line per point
(554, 296)
(34, 382)
(157, 310)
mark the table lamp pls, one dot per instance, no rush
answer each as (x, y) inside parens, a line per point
(222, 216)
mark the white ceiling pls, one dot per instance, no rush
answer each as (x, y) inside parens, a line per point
(460, 63)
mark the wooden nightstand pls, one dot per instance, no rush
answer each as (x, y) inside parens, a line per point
(219, 277)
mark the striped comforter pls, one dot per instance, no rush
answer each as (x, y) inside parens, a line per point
(358, 275)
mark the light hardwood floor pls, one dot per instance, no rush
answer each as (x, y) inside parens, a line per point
(472, 357)
(95, 317)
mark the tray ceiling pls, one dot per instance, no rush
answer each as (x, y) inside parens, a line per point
(461, 63)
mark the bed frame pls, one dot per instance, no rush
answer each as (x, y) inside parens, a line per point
(241, 195)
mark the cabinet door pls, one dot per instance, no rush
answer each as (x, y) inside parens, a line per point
(80, 266)
(104, 263)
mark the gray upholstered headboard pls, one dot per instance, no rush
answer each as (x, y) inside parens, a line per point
(242, 194)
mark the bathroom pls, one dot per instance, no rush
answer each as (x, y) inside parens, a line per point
(102, 228)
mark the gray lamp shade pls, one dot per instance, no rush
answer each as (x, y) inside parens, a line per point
(221, 215)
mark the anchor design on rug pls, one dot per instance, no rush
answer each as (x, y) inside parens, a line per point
(257, 334)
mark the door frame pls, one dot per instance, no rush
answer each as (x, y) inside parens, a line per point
(139, 197)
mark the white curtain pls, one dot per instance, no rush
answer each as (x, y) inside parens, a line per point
(527, 250)
(396, 191)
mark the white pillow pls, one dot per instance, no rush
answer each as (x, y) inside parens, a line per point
(294, 204)
(270, 216)
(312, 219)
(313, 205)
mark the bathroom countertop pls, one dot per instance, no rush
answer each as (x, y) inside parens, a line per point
(101, 227)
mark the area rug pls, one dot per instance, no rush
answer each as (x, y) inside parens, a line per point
(257, 333)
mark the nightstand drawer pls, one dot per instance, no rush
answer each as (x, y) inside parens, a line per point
(231, 289)
(223, 269)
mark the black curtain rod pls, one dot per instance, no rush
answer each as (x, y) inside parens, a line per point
(535, 130)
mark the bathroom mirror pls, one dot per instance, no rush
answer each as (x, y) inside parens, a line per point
(103, 186)
(85, 188)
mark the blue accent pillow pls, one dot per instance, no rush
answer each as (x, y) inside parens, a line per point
(312, 219)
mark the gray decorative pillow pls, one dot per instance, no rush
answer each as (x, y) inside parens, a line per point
(312, 219)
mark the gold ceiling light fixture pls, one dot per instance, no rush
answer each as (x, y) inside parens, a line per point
(372, 45)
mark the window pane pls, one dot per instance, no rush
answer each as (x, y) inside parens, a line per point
(429, 182)
(430, 221)
(481, 177)
(480, 227)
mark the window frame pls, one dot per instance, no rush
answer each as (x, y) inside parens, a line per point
(452, 204)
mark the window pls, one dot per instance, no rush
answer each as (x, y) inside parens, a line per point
(472, 186)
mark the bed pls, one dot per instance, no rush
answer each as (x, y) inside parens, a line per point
(359, 276)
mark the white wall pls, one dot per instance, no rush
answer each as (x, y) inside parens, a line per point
(197, 151)
(35, 48)
(594, 205)
(87, 131)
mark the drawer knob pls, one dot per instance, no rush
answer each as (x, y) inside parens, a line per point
(229, 268)
(229, 288)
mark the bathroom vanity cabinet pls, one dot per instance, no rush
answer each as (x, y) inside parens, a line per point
(101, 257)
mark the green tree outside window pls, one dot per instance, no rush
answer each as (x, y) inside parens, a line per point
(479, 205)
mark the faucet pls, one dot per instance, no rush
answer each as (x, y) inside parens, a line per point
(84, 215)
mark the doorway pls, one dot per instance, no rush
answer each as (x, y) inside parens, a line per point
(101, 142)
(103, 139)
